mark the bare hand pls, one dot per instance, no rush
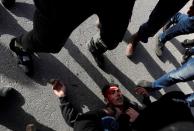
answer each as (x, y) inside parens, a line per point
(59, 88)
(141, 91)
(132, 113)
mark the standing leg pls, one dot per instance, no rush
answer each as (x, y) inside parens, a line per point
(184, 25)
(162, 12)
(48, 35)
(113, 25)
(181, 74)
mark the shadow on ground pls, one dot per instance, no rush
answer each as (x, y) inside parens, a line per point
(153, 68)
(178, 45)
(8, 24)
(14, 117)
(49, 67)
(25, 10)
(83, 61)
(9, 68)
(109, 68)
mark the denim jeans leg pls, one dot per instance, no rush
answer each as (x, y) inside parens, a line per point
(162, 37)
(192, 50)
(179, 17)
(181, 74)
(163, 11)
(190, 99)
(184, 26)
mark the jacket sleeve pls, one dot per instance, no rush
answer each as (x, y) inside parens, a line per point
(69, 113)
(87, 125)
(90, 121)
(124, 124)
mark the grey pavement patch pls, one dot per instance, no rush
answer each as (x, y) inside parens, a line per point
(75, 66)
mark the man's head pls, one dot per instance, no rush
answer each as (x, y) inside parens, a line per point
(112, 94)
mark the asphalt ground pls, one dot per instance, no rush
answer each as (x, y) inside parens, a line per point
(35, 102)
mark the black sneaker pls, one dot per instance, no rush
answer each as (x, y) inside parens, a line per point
(188, 43)
(159, 47)
(98, 57)
(186, 56)
(97, 47)
(24, 58)
(8, 3)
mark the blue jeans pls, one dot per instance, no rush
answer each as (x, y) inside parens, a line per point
(181, 74)
(192, 50)
(183, 25)
(190, 99)
(163, 11)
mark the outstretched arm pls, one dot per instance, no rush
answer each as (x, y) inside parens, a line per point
(69, 113)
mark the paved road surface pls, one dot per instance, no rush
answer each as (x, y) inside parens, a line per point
(35, 102)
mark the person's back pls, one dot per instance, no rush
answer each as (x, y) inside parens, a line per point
(168, 110)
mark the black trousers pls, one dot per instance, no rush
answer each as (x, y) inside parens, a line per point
(53, 23)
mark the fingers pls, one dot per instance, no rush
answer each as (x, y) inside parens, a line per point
(58, 87)
(133, 114)
(141, 91)
(56, 84)
(130, 110)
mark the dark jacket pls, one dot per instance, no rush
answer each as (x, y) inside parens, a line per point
(169, 109)
(90, 121)
(95, 120)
